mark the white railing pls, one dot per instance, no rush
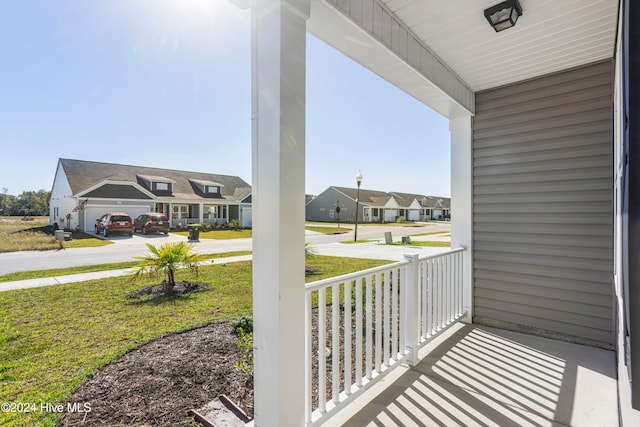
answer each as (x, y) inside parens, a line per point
(360, 326)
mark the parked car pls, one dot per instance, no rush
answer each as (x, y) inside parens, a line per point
(153, 221)
(114, 222)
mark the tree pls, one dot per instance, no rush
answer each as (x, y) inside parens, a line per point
(166, 260)
(32, 203)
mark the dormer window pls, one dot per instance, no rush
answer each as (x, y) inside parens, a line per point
(208, 188)
(157, 183)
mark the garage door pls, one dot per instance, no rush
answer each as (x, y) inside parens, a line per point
(246, 217)
(390, 215)
(414, 215)
(94, 212)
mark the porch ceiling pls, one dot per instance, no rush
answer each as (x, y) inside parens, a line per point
(550, 36)
(441, 52)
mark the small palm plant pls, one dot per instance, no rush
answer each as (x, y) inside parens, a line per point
(167, 259)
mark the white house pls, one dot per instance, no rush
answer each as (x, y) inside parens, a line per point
(83, 191)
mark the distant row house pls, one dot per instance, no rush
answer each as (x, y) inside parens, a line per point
(83, 191)
(375, 206)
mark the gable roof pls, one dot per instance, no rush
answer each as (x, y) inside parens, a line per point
(367, 197)
(404, 200)
(83, 174)
(424, 200)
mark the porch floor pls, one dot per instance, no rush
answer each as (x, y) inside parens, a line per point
(475, 375)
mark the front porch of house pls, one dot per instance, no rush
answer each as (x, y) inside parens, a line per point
(386, 346)
(541, 224)
(477, 375)
(183, 214)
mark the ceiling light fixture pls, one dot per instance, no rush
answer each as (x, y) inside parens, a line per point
(503, 15)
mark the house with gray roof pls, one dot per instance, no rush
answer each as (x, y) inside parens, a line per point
(374, 206)
(431, 207)
(83, 191)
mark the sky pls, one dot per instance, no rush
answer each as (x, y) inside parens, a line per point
(167, 84)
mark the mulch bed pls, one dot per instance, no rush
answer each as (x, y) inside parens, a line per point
(157, 291)
(156, 384)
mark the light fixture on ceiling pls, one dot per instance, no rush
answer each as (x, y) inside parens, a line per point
(503, 15)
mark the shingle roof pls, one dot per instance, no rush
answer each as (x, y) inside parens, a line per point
(368, 197)
(427, 201)
(85, 174)
(404, 200)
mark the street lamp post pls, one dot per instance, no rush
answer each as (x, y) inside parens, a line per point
(359, 181)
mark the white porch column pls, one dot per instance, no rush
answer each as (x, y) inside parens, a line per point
(200, 213)
(278, 120)
(462, 202)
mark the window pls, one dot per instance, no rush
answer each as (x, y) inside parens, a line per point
(180, 211)
(210, 189)
(164, 186)
(210, 212)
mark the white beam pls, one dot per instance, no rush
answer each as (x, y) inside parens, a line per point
(462, 202)
(278, 131)
(362, 31)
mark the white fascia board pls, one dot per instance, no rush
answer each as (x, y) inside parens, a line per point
(109, 202)
(108, 181)
(416, 69)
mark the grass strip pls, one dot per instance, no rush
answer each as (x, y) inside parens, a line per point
(432, 233)
(431, 243)
(328, 230)
(220, 234)
(38, 274)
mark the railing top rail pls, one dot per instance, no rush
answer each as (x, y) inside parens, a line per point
(350, 276)
(452, 251)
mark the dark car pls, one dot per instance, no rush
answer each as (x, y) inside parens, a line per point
(153, 221)
(117, 222)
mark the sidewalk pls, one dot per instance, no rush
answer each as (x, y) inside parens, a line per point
(374, 250)
(82, 277)
(371, 250)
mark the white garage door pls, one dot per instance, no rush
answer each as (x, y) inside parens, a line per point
(246, 217)
(94, 212)
(390, 215)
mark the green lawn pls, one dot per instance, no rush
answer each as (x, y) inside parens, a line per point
(37, 274)
(52, 338)
(431, 243)
(431, 233)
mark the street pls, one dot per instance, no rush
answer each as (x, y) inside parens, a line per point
(125, 247)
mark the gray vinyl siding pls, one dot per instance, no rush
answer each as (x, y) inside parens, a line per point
(322, 208)
(543, 223)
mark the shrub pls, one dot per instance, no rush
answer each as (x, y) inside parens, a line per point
(401, 219)
(244, 323)
(166, 260)
(205, 226)
(235, 224)
(245, 343)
